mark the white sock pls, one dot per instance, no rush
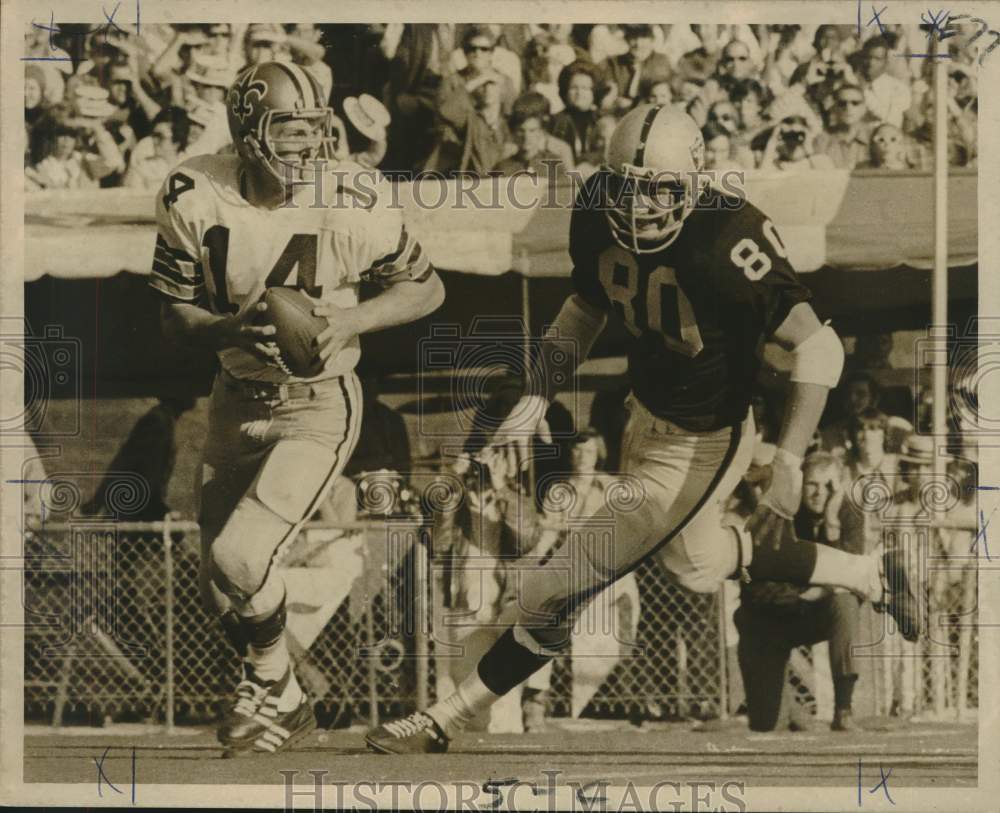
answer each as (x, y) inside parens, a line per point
(292, 696)
(271, 662)
(455, 712)
(836, 568)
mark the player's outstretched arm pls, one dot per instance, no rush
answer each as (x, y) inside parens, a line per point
(818, 359)
(193, 325)
(578, 324)
(401, 302)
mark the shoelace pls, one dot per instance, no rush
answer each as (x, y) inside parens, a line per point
(408, 726)
(250, 698)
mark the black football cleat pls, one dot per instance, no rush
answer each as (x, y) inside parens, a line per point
(416, 734)
(899, 598)
(254, 724)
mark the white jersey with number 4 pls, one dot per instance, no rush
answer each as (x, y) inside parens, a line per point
(217, 251)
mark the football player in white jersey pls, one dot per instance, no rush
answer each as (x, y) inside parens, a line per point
(231, 226)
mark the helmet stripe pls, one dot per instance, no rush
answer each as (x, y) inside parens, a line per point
(306, 81)
(297, 82)
(647, 125)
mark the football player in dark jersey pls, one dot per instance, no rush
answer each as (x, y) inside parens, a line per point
(700, 280)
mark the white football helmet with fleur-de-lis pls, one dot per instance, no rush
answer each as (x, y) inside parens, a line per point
(654, 169)
(266, 94)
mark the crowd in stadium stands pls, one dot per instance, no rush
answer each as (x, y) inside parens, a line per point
(109, 107)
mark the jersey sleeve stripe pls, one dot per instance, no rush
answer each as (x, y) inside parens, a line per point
(170, 251)
(404, 239)
(177, 274)
(174, 290)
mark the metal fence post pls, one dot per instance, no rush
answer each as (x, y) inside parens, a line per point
(723, 657)
(168, 578)
(420, 606)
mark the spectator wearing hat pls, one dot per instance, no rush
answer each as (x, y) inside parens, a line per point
(886, 97)
(159, 152)
(629, 76)
(265, 42)
(371, 119)
(82, 151)
(577, 123)
(305, 48)
(529, 124)
(209, 79)
(38, 118)
(847, 139)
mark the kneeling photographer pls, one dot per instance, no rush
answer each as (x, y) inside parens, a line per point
(775, 617)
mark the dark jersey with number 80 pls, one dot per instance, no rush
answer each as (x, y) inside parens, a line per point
(697, 312)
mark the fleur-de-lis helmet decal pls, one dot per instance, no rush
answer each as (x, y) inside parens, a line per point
(244, 88)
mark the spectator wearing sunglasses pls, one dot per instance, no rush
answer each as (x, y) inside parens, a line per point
(846, 140)
(479, 45)
(628, 77)
(158, 153)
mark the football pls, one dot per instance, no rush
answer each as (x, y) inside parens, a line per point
(290, 311)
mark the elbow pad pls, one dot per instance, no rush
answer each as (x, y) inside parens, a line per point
(819, 359)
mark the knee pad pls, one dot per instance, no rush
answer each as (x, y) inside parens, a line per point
(264, 630)
(241, 554)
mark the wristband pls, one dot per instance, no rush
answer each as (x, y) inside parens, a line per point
(787, 458)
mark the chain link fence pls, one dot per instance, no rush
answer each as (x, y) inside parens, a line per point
(115, 628)
(115, 631)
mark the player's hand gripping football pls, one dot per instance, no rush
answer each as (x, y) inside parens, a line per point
(240, 331)
(339, 332)
(779, 504)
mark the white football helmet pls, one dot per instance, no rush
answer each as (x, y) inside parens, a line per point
(654, 165)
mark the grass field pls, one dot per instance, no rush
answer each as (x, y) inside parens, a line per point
(939, 755)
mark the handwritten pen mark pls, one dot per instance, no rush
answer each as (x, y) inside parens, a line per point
(877, 19)
(884, 783)
(101, 776)
(939, 24)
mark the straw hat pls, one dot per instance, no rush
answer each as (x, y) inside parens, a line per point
(211, 71)
(91, 101)
(368, 115)
(265, 32)
(918, 449)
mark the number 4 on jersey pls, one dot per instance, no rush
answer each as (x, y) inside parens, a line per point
(300, 255)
